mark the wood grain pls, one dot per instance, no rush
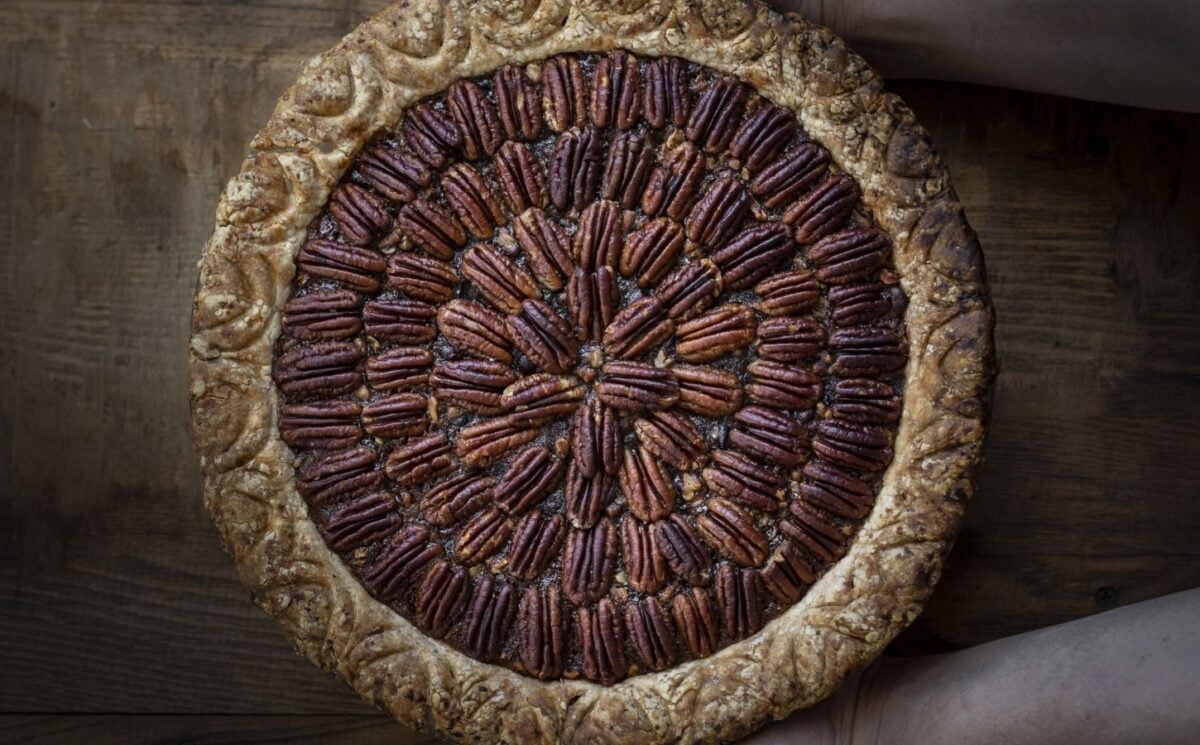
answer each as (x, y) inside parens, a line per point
(120, 122)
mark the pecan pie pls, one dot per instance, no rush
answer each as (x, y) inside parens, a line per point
(570, 371)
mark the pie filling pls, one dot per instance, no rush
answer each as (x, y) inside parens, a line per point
(592, 366)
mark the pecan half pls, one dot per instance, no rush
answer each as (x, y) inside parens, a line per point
(589, 563)
(491, 439)
(398, 415)
(472, 199)
(519, 103)
(585, 498)
(788, 293)
(399, 368)
(789, 339)
(544, 337)
(630, 161)
(717, 114)
(325, 368)
(476, 119)
(498, 278)
(598, 238)
(530, 478)
(782, 386)
(849, 256)
(769, 436)
(787, 576)
(673, 438)
(320, 425)
(753, 254)
(597, 442)
(476, 330)
(540, 632)
(854, 305)
(719, 213)
(360, 215)
(696, 621)
(535, 544)
(763, 134)
(714, 334)
(546, 246)
(691, 289)
(867, 351)
(645, 566)
(636, 386)
(674, 183)
(707, 391)
(541, 397)
(616, 90)
(564, 93)
(651, 250)
(865, 401)
(489, 616)
(836, 491)
(475, 385)
(401, 561)
(731, 531)
(482, 536)
(651, 634)
(637, 328)
(404, 321)
(824, 209)
(432, 228)
(646, 486)
(788, 176)
(353, 266)
(602, 642)
(520, 177)
(853, 445)
(422, 278)
(432, 136)
(753, 484)
(814, 532)
(739, 594)
(418, 461)
(457, 498)
(681, 549)
(441, 598)
(341, 473)
(592, 299)
(360, 521)
(575, 167)
(323, 315)
(665, 92)
(396, 174)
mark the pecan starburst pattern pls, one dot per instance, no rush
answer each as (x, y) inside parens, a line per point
(592, 366)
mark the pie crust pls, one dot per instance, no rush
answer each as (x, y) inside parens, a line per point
(361, 87)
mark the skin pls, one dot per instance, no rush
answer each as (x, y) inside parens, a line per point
(1125, 677)
(1131, 52)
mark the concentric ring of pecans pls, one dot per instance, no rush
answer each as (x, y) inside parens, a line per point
(592, 366)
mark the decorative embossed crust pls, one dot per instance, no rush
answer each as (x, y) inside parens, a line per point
(364, 86)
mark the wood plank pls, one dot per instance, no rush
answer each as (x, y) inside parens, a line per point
(119, 729)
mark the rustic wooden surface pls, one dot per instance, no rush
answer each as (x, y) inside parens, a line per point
(120, 123)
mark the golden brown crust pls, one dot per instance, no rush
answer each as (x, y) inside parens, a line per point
(417, 47)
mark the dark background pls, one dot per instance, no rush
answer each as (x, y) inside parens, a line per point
(122, 621)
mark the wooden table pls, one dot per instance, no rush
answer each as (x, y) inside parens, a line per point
(121, 122)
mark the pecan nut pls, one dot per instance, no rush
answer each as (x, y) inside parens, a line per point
(432, 136)
(483, 535)
(673, 438)
(598, 239)
(323, 315)
(602, 642)
(739, 595)
(714, 334)
(769, 436)
(731, 532)
(575, 167)
(542, 397)
(864, 401)
(696, 621)
(849, 256)
(787, 575)
(651, 250)
(540, 632)
(353, 266)
(585, 498)
(342, 473)
(535, 544)
(476, 118)
(681, 549)
(519, 103)
(597, 443)
(719, 213)
(498, 278)
(782, 386)
(476, 385)
(824, 209)
(432, 228)
(398, 415)
(320, 425)
(520, 176)
(674, 183)
(736, 476)
(630, 161)
(399, 368)
(867, 351)
(530, 478)
(707, 391)
(456, 499)
(637, 386)
(691, 289)
(476, 330)
(836, 490)
(616, 91)
(420, 460)
(396, 174)
(592, 302)
(665, 93)
(491, 439)
(472, 200)
(326, 368)
(422, 277)
(717, 114)
(788, 293)
(854, 305)
(589, 563)
(360, 521)
(753, 254)
(764, 133)
(809, 529)
(544, 337)
(789, 339)
(404, 321)
(645, 566)
(441, 598)
(651, 634)
(646, 486)
(637, 328)
(852, 445)
(786, 177)
(360, 215)
(489, 616)
(401, 561)
(564, 93)
(546, 246)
